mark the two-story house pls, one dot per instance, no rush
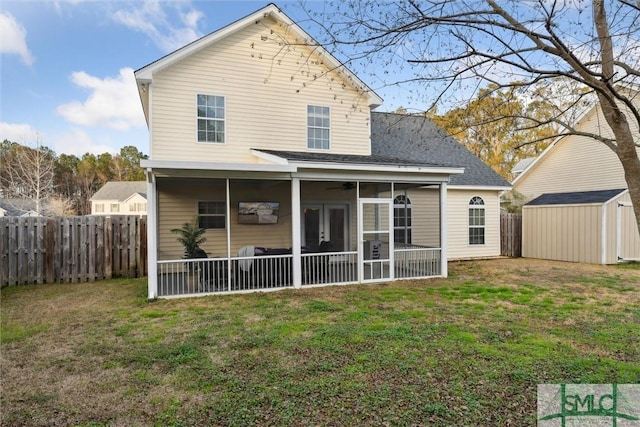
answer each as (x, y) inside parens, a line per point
(120, 198)
(264, 139)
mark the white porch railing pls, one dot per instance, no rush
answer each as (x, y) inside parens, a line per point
(329, 267)
(417, 261)
(213, 275)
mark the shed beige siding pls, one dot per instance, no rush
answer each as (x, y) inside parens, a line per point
(267, 79)
(563, 233)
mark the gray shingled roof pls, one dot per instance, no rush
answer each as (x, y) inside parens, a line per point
(350, 159)
(575, 197)
(418, 138)
(17, 207)
(120, 190)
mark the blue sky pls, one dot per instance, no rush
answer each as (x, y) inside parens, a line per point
(67, 66)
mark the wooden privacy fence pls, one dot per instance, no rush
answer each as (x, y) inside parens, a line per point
(71, 249)
(511, 234)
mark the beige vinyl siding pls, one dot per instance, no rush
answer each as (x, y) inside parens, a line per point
(563, 233)
(576, 163)
(458, 246)
(267, 86)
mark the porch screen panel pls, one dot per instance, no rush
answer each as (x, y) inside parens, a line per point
(376, 235)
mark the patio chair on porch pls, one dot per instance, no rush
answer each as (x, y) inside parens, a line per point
(212, 275)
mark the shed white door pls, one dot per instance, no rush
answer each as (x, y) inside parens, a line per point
(628, 236)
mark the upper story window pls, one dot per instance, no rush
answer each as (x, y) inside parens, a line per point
(211, 116)
(318, 127)
(115, 207)
(212, 214)
(476, 221)
(402, 220)
(99, 207)
(137, 207)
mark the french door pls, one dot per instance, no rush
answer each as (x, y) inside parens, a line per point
(325, 222)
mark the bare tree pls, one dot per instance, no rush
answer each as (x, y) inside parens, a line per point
(27, 173)
(452, 48)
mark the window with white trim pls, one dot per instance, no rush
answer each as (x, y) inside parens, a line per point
(476, 221)
(318, 127)
(137, 207)
(211, 118)
(402, 220)
(99, 207)
(115, 207)
(212, 214)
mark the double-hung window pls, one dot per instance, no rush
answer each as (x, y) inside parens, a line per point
(476, 221)
(318, 127)
(212, 214)
(211, 119)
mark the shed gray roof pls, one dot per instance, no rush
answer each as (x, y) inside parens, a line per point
(418, 138)
(120, 190)
(575, 198)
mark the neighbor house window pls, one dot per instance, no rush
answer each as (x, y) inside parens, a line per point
(318, 127)
(115, 207)
(99, 207)
(402, 220)
(476, 221)
(137, 207)
(211, 116)
(211, 214)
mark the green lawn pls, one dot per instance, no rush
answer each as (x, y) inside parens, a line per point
(468, 350)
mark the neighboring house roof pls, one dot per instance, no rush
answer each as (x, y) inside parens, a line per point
(120, 190)
(18, 207)
(575, 198)
(418, 139)
(519, 167)
(145, 74)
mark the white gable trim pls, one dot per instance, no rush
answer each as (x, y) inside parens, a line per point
(132, 196)
(145, 74)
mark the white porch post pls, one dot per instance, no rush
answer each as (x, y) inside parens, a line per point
(228, 226)
(296, 250)
(443, 230)
(152, 236)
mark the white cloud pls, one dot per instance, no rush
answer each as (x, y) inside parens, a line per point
(13, 38)
(78, 142)
(152, 20)
(21, 133)
(113, 102)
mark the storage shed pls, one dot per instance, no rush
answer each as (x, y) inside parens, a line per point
(595, 227)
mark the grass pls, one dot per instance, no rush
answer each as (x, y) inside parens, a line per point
(468, 350)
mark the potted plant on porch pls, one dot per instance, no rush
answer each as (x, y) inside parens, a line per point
(190, 235)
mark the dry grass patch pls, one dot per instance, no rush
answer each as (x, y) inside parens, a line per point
(468, 350)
